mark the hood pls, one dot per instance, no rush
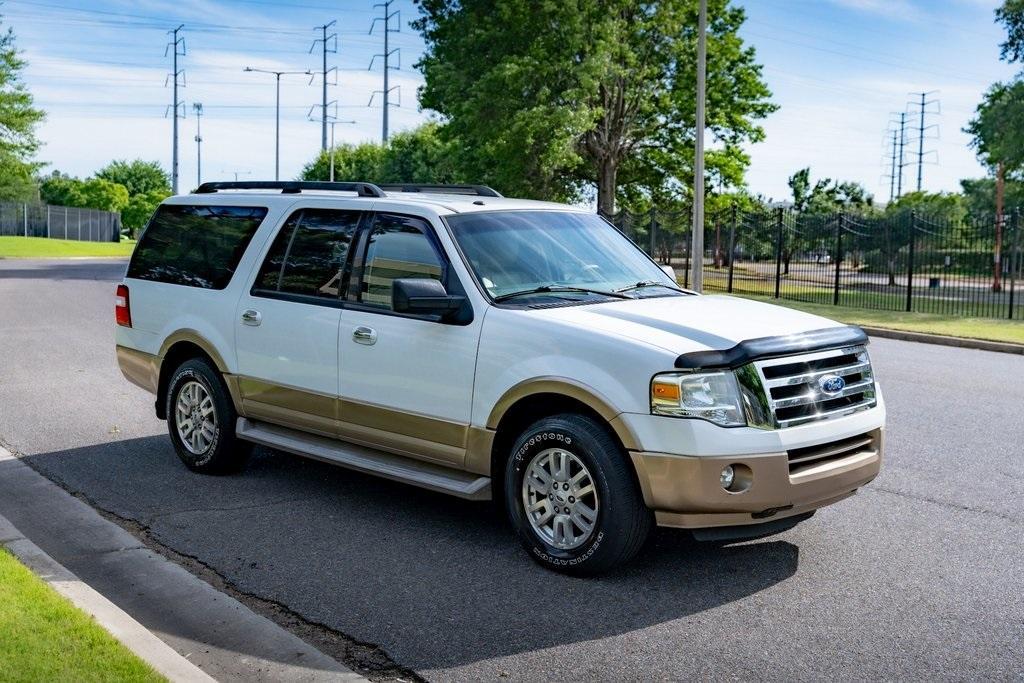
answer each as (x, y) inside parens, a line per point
(684, 324)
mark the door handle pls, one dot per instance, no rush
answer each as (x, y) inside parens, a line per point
(365, 335)
(252, 317)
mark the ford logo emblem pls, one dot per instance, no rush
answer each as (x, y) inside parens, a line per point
(831, 384)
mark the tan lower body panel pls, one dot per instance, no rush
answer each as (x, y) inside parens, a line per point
(140, 368)
(686, 491)
(408, 434)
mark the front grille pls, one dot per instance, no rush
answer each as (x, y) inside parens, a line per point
(793, 385)
(801, 458)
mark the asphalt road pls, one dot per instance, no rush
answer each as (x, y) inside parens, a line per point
(920, 575)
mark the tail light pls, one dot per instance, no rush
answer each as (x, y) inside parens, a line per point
(122, 309)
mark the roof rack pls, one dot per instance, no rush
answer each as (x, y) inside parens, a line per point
(478, 190)
(291, 187)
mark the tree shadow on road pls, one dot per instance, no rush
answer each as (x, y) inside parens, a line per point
(435, 581)
(111, 270)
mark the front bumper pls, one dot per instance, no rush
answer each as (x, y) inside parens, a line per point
(684, 489)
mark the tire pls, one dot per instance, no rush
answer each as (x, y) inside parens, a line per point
(572, 450)
(196, 395)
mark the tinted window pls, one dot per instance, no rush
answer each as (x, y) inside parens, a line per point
(198, 246)
(308, 255)
(398, 247)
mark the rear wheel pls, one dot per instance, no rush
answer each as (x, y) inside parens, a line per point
(201, 420)
(572, 497)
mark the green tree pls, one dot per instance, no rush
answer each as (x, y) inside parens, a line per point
(550, 97)
(61, 190)
(94, 193)
(18, 121)
(997, 135)
(137, 176)
(140, 208)
(416, 156)
(1011, 16)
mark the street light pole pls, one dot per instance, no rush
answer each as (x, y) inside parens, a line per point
(277, 112)
(697, 245)
(332, 123)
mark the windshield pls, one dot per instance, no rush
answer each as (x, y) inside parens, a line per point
(567, 255)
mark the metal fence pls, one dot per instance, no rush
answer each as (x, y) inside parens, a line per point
(970, 267)
(59, 222)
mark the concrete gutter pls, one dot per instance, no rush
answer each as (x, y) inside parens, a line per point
(944, 340)
(181, 625)
(131, 633)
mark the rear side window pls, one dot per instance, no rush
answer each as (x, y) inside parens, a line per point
(398, 247)
(196, 246)
(309, 253)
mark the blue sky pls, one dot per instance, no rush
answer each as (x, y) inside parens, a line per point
(837, 68)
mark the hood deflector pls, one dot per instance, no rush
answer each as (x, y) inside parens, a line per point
(771, 347)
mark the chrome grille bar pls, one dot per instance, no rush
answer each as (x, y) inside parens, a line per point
(792, 385)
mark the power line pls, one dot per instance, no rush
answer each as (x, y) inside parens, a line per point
(324, 41)
(177, 49)
(386, 92)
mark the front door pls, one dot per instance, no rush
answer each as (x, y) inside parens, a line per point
(287, 324)
(406, 380)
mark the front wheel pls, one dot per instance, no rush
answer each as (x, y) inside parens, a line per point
(572, 498)
(201, 420)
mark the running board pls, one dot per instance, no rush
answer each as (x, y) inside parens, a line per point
(423, 474)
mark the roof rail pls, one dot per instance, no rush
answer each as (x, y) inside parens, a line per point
(479, 190)
(291, 187)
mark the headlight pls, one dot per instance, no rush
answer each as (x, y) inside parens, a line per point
(712, 396)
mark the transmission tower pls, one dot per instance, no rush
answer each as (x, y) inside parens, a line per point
(328, 44)
(176, 48)
(386, 55)
(898, 132)
(924, 106)
(197, 107)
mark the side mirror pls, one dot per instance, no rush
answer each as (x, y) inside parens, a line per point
(423, 296)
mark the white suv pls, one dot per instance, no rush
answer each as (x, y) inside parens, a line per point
(450, 338)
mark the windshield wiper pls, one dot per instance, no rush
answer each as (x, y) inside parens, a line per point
(649, 283)
(544, 289)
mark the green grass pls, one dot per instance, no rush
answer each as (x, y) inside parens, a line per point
(43, 637)
(931, 323)
(41, 247)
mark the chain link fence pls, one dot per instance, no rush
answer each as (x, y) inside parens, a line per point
(59, 222)
(965, 267)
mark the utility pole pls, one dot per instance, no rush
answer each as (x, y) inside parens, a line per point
(921, 100)
(899, 133)
(892, 174)
(197, 107)
(331, 121)
(386, 92)
(277, 112)
(325, 45)
(238, 173)
(697, 247)
(176, 47)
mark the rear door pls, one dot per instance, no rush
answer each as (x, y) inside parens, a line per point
(406, 380)
(287, 322)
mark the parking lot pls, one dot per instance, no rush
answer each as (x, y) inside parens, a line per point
(920, 575)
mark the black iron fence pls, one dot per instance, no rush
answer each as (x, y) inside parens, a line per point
(967, 267)
(60, 222)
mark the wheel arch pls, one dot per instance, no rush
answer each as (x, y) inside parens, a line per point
(529, 401)
(178, 348)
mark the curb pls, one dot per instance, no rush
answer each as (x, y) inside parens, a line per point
(944, 340)
(129, 632)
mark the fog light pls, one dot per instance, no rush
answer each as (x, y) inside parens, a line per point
(728, 474)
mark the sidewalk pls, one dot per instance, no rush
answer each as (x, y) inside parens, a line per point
(211, 630)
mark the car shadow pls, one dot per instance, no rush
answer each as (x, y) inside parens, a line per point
(433, 580)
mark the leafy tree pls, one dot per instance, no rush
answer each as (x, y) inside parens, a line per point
(1011, 16)
(138, 176)
(997, 132)
(550, 97)
(979, 195)
(18, 121)
(417, 156)
(94, 193)
(946, 207)
(140, 208)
